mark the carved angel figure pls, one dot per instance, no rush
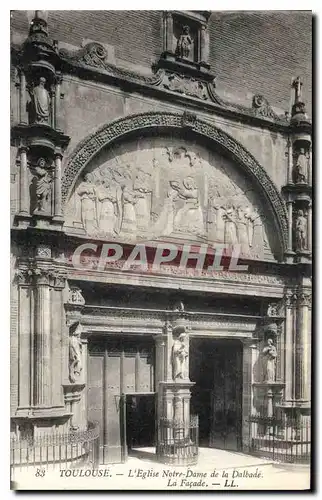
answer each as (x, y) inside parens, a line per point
(184, 43)
(180, 356)
(270, 354)
(40, 102)
(189, 218)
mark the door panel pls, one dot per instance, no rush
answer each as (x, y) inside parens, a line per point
(117, 366)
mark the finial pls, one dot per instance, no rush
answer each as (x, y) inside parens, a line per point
(297, 85)
(39, 22)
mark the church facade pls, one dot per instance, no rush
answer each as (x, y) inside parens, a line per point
(161, 252)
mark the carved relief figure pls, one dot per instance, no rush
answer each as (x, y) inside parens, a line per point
(270, 354)
(180, 356)
(129, 223)
(164, 224)
(40, 102)
(75, 353)
(242, 229)
(142, 187)
(301, 167)
(87, 193)
(184, 43)
(189, 218)
(230, 226)
(43, 185)
(218, 226)
(108, 213)
(301, 231)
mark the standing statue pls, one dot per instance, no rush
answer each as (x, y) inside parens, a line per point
(43, 185)
(231, 237)
(301, 167)
(40, 102)
(184, 43)
(129, 222)
(75, 353)
(143, 190)
(270, 354)
(301, 231)
(180, 356)
(108, 216)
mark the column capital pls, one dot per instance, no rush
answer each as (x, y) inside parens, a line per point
(304, 298)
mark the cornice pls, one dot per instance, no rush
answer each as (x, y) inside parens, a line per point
(90, 63)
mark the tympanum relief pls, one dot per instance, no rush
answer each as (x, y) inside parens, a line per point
(169, 189)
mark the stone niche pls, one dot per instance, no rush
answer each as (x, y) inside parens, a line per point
(170, 189)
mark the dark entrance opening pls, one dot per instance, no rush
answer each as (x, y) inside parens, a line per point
(140, 420)
(216, 368)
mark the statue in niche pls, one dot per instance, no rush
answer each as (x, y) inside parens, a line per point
(87, 193)
(40, 102)
(229, 217)
(75, 353)
(184, 43)
(109, 214)
(270, 354)
(301, 167)
(142, 188)
(180, 357)
(129, 222)
(301, 231)
(189, 218)
(43, 185)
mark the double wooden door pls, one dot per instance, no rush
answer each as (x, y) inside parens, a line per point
(118, 367)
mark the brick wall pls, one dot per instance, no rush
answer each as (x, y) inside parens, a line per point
(253, 52)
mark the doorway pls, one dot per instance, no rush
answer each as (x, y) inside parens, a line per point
(120, 392)
(216, 369)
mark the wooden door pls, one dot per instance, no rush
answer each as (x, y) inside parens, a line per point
(117, 366)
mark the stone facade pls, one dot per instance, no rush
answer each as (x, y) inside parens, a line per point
(107, 154)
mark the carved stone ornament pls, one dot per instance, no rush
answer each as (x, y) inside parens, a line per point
(304, 298)
(75, 296)
(262, 107)
(94, 55)
(43, 251)
(128, 191)
(272, 309)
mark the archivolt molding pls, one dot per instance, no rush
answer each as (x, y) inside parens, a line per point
(107, 134)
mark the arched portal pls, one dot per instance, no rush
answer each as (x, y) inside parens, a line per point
(185, 140)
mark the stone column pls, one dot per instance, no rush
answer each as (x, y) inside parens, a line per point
(57, 186)
(25, 341)
(288, 346)
(23, 117)
(23, 183)
(289, 162)
(290, 225)
(43, 379)
(57, 333)
(57, 125)
(204, 44)
(251, 374)
(52, 106)
(168, 32)
(309, 227)
(303, 343)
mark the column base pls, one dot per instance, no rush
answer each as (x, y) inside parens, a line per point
(22, 220)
